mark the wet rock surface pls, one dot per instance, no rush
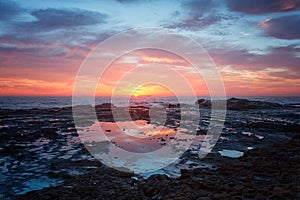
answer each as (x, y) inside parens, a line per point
(261, 173)
(42, 158)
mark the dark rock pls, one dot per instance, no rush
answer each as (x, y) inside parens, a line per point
(238, 104)
(139, 113)
(49, 132)
(173, 106)
(244, 104)
(105, 105)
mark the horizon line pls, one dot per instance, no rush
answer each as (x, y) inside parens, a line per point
(267, 95)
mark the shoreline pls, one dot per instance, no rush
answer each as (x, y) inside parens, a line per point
(48, 102)
(40, 147)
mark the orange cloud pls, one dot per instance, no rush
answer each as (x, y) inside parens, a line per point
(18, 86)
(288, 5)
(249, 83)
(158, 60)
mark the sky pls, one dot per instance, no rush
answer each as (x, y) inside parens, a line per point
(255, 44)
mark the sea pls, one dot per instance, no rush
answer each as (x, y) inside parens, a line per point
(30, 102)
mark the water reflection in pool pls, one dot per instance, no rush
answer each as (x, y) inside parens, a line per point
(135, 145)
(134, 136)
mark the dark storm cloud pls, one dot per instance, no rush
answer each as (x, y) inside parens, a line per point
(9, 9)
(56, 18)
(287, 27)
(263, 6)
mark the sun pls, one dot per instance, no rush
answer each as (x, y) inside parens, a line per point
(150, 89)
(135, 94)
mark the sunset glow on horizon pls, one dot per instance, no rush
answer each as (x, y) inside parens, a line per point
(256, 48)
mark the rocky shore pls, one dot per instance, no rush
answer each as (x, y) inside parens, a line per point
(240, 104)
(256, 157)
(262, 173)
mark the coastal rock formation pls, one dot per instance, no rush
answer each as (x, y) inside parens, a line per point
(239, 104)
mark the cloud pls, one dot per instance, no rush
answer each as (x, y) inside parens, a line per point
(279, 62)
(283, 27)
(127, 1)
(12, 48)
(9, 9)
(57, 18)
(25, 86)
(263, 6)
(199, 8)
(200, 14)
(194, 23)
(53, 33)
(70, 26)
